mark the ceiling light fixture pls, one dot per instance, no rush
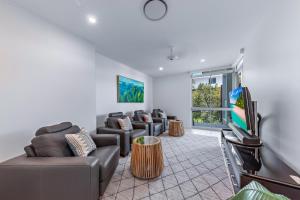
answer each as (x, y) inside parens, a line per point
(155, 10)
(202, 60)
(91, 19)
(161, 69)
(172, 56)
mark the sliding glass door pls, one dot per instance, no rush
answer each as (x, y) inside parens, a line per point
(210, 100)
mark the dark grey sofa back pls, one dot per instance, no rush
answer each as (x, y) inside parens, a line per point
(116, 114)
(54, 128)
(50, 141)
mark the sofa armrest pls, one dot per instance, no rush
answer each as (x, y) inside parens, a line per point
(140, 125)
(49, 178)
(106, 139)
(124, 138)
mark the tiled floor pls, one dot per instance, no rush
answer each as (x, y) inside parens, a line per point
(194, 169)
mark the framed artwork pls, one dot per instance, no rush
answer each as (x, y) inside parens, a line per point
(129, 90)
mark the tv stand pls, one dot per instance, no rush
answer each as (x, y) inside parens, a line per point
(248, 162)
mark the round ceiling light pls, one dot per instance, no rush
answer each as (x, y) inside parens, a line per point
(155, 10)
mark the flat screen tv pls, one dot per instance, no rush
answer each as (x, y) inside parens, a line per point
(242, 110)
(129, 90)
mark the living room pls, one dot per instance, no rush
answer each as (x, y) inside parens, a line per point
(62, 66)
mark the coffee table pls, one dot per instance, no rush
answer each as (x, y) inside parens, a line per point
(146, 157)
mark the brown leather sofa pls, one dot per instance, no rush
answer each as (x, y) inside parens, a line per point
(126, 137)
(51, 171)
(155, 114)
(155, 128)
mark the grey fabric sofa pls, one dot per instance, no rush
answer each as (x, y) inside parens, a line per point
(53, 172)
(155, 128)
(126, 137)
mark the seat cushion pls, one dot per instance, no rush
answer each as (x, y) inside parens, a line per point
(137, 133)
(112, 122)
(108, 160)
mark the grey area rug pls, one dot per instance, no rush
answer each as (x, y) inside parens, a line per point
(194, 169)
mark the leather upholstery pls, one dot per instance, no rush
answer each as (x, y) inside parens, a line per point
(54, 128)
(61, 178)
(116, 114)
(126, 137)
(155, 114)
(49, 178)
(30, 152)
(155, 127)
(108, 157)
(51, 145)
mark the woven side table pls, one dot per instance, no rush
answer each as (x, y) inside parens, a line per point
(146, 157)
(176, 128)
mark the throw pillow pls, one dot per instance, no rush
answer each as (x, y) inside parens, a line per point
(81, 143)
(163, 115)
(148, 118)
(125, 124)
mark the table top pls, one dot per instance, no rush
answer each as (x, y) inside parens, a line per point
(146, 140)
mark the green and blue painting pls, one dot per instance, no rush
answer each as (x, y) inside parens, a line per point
(129, 90)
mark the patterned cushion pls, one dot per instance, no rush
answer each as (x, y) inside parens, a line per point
(125, 124)
(162, 115)
(81, 143)
(148, 118)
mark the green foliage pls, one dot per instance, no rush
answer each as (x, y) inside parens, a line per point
(140, 140)
(207, 96)
(256, 191)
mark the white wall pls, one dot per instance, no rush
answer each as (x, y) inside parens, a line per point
(272, 73)
(46, 76)
(106, 86)
(173, 95)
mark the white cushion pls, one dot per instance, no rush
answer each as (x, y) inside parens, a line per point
(81, 143)
(148, 118)
(125, 124)
(163, 115)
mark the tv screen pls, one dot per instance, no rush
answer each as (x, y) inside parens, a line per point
(241, 109)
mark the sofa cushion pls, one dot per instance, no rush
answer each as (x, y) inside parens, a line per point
(147, 118)
(108, 160)
(112, 122)
(162, 115)
(81, 143)
(125, 124)
(53, 129)
(51, 145)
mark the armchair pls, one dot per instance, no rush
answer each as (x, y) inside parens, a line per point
(156, 115)
(126, 137)
(36, 177)
(155, 128)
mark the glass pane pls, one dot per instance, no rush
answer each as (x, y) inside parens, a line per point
(207, 91)
(215, 119)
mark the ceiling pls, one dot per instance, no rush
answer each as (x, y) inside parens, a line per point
(213, 30)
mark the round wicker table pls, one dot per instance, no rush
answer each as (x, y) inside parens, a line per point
(176, 128)
(146, 157)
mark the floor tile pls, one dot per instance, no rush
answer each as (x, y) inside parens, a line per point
(174, 193)
(188, 189)
(141, 191)
(194, 170)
